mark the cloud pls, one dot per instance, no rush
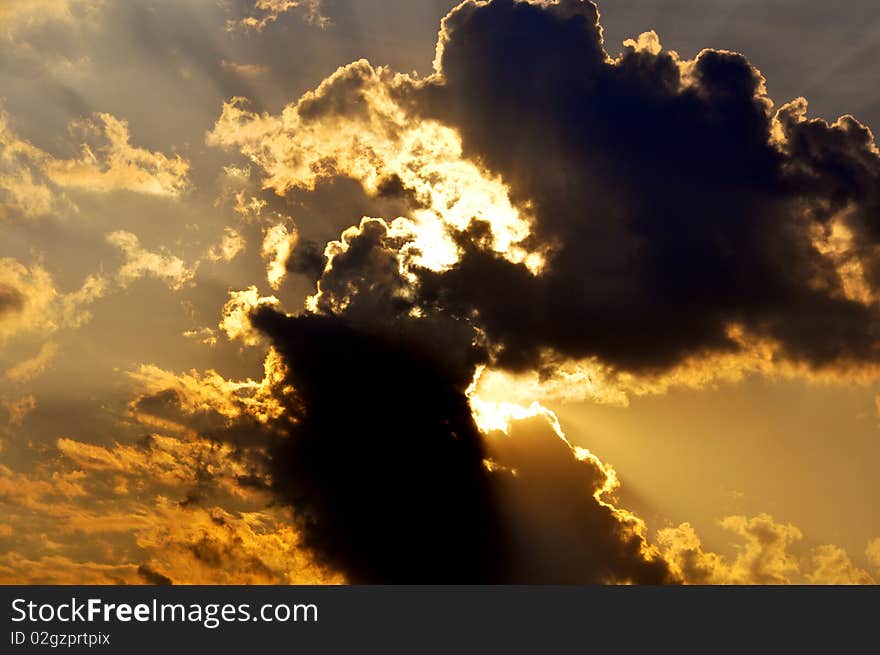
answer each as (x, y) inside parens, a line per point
(24, 191)
(672, 198)
(872, 552)
(18, 408)
(153, 577)
(382, 463)
(28, 369)
(390, 479)
(11, 299)
(355, 124)
(33, 306)
(621, 226)
(113, 164)
(246, 70)
(616, 251)
(307, 259)
(216, 547)
(236, 322)
(364, 272)
(610, 228)
(140, 262)
(17, 15)
(169, 463)
(189, 510)
(196, 393)
(766, 556)
(32, 181)
(205, 335)
(832, 565)
(559, 522)
(58, 569)
(230, 245)
(266, 12)
(278, 244)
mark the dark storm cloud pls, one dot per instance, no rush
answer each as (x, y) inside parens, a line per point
(383, 464)
(384, 468)
(670, 206)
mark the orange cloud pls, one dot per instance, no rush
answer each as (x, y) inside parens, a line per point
(764, 555)
(162, 508)
(18, 408)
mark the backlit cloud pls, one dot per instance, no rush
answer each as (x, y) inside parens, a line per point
(764, 555)
(30, 303)
(425, 266)
(266, 12)
(140, 262)
(111, 163)
(17, 15)
(278, 244)
(230, 245)
(608, 270)
(32, 181)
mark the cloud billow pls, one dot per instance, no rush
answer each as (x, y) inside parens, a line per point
(391, 481)
(675, 203)
(641, 212)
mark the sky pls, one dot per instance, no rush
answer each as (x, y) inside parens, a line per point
(315, 291)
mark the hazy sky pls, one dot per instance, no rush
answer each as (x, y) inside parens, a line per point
(158, 181)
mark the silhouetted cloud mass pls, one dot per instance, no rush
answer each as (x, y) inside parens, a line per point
(674, 201)
(387, 474)
(677, 212)
(418, 261)
(382, 462)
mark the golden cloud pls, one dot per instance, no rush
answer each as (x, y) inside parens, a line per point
(764, 556)
(113, 164)
(16, 15)
(32, 180)
(213, 546)
(29, 369)
(569, 381)
(354, 125)
(235, 322)
(23, 189)
(16, 568)
(140, 534)
(18, 408)
(266, 12)
(230, 245)
(278, 242)
(34, 306)
(246, 70)
(210, 392)
(140, 262)
(872, 552)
